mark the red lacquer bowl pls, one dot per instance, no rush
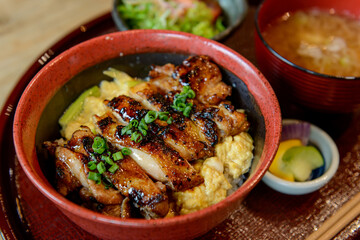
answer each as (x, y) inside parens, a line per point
(313, 90)
(80, 67)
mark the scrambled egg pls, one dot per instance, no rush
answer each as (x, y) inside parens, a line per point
(236, 154)
(232, 159)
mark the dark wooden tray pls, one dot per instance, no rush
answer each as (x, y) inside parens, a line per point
(265, 214)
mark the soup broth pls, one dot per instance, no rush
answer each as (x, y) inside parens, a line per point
(317, 40)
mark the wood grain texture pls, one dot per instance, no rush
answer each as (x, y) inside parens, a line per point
(29, 27)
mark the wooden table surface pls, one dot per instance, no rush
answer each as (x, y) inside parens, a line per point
(29, 27)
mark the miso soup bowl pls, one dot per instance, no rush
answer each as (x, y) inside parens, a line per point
(73, 71)
(313, 90)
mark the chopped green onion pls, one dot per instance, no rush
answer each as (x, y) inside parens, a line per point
(136, 137)
(187, 111)
(126, 129)
(113, 168)
(99, 145)
(143, 125)
(179, 99)
(126, 151)
(143, 131)
(185, 90)
(92, 165)
(101, 167)
(138, 128)
(170, 120)
(180, 107)
(117, 156)
(107, 159)
(95, 177)
(190, 94)
(134, 123)
(163, 116)
(151, 116)
(176, 108)
(104, 158)
(179, 102)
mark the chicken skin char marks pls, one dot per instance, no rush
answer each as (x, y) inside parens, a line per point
(156, 158)
(129, 181)
(198, 72)
(169, 146)
(188, 139)
(210, 104)
(161, 160)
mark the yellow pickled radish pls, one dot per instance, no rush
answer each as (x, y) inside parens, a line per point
(278, 167)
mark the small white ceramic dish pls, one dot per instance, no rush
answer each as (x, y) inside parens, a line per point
(330, 152)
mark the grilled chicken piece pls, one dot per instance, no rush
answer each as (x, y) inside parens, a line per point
(77, 164)
(151, 97)
(113, 210)
(72, 171)
(186, 143)
(126, 208)
(205, 78)
(199, 72)
(163, 77)
(157, 159)
(81, 141)
(130, 179)
(204, 130)
(122, 210)
(229, 121)
(133, 182)
(65, 180)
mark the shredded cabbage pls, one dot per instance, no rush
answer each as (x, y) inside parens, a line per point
(170, 15)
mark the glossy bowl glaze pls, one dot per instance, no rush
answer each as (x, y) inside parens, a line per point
(234, 12)
(312, 90)
(66, 76)
(329, 151)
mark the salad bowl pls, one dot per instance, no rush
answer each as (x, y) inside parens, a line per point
(233, 13)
